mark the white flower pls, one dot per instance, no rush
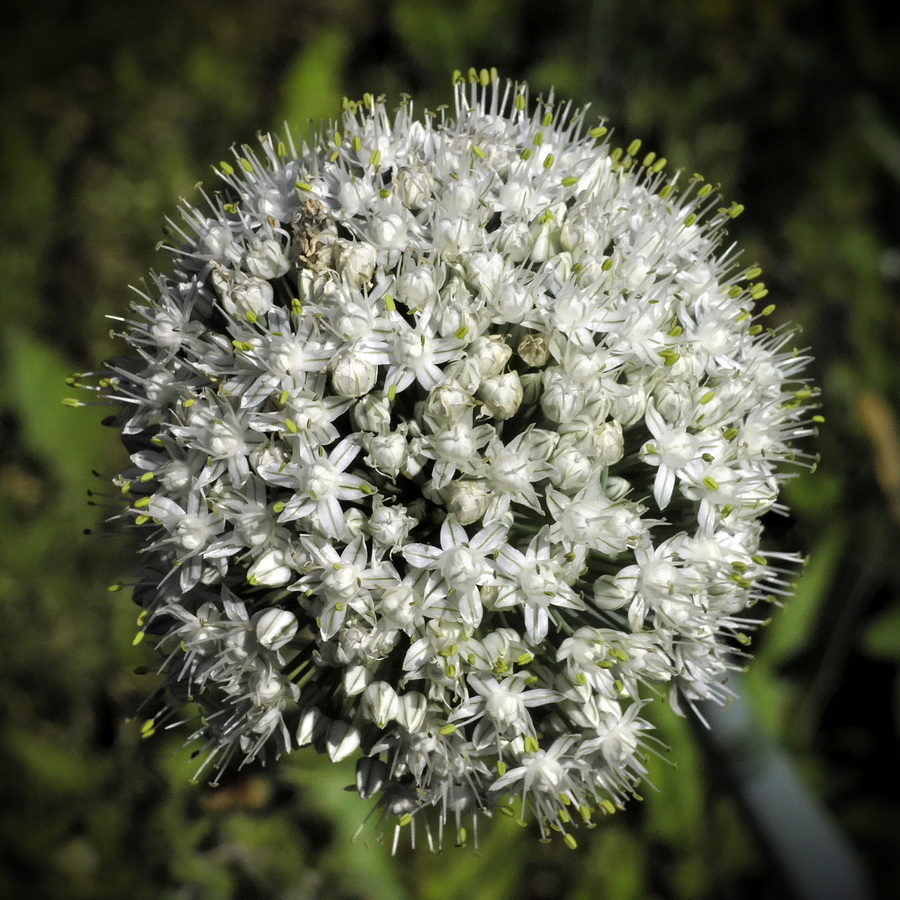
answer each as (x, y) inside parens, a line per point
(449, 445)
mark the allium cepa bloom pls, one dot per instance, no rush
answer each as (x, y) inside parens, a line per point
(450, 439)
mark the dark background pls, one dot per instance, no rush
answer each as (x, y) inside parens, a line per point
(110, 113)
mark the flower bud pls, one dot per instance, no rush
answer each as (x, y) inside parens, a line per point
(501, 395)
(371, 413)
(356, 679)
(534, 350)
(387, 452)
(413, 707)
(382, 702)
(371, 776)
(610, 443)
(356, 261)
(271, 569)
(447, 403)
(467, 500)
(275, 627)
(267, 260)
(312, 727)
(389, 526)
(341, 740)
(352, 375)
(491, 353)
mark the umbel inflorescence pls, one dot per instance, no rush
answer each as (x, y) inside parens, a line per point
(450, 439)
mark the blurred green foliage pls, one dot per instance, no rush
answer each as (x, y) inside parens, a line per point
(791, 105)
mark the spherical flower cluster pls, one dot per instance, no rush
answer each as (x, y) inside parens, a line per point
(450, 440)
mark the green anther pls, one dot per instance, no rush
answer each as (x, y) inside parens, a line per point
(461, 332)
(251, 317)
(619, 685)
(142, 520)
(760, 560)
(727, 510)
(608, 807)
(616, 155)
(451, 671)
(538, 139)
(147, 476)
(520, 102)
(478, 151)
(759, 294)
(338, 139)
(744, 315)
(697, 177)
(731, 434)
(581, 679)
(708, 457)
(690, 220)
(187, 404)
(495, 75)
(598, 132)
(126, 487)
(564, 817)
(633, 147)
(531, 679)
(647, 161)
(339, 607)
(659, 165)
(571, 843)
(389, 302)
(115, 588)
(71, 401)
(143, 503)
(711, 483)
(676, 331)
(501, 768)
(585, 812)
(142, 618)
(231, 207)
(296, 306)
(755, 272)
(404, 820)
(137, 638)
(547, 120)
(607, 264)
(291, 426)
(473, 75)
(303, 186)
(708, 397)
(735, 292)
(367, 99)
(736, 210)
(283, 398)
(757, 289)
(666, 192)
(375, 158)
(227, 168)
(650, 449)
(546, 216)
(549, 160)
(570, 181)
(334, 156)
(531, 744)
(392, 392)
(754, 330)
(484, 77)
(525, 659)
(278, 507)
(462, 837)
(525, 154)
(248, 166)
(768, 310)
(280, 149)
(803, 394)
(357, 143)
(447, 729)
(457, 77)
(705, 191)
(147, 725)
(818, 419)
(744, 639)
(619, 654)
(671, 359)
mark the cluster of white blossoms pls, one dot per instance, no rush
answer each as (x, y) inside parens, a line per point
(450, 440)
